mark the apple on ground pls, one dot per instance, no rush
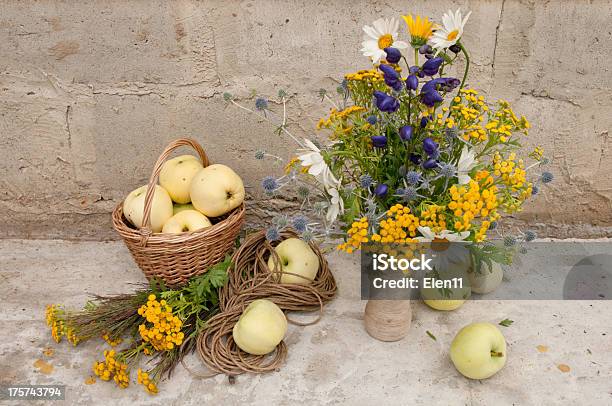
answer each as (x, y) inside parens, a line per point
(161, 207)
(176, 175)
(186, 220)
(260, 328)
(215, 190)
(478, 350)
(177, 208)
(488, 279)
(296, 257)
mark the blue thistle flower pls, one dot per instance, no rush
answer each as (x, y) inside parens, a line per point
(307, 236)
(259, 154)
(300, 223)
(227, 96)
(547, 177)
(452, 133)
(261, 104)
(523, 250)
(319, 208)
(303, 192)
(509, 241)
(413, 177)
(269, 183)
(530, 235)
(372, 119)
(408, 194)
(272, 234)
(447, 170)
(366, 181)
(281, 221)
(493, 225)
(281, 93)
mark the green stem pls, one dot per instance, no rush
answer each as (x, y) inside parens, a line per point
(467, 65)
(416, 57)
(496, 354)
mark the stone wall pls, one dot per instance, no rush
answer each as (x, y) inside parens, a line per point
(90, 93)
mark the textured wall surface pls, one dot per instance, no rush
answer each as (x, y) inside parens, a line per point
(90, 93)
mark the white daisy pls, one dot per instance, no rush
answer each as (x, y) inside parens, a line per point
(467, 161)
(381, 35)
(428, 235)
(446, 254)
(451, 31)
(317, 166)
(336, 205)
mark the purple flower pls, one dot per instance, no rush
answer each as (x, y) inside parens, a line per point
(424, 122)
(415, 159)
(379, 141)
(392, 78)
(386, 103)
(372, 119)
(429, 146)
(406, 132)
(414, 69)
(429, 91)
(430, 163)
(393, 54)
(381, 190)
(431, 66)
(431, 98)
(412, 82)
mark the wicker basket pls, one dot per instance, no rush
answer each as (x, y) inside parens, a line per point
(174, 258)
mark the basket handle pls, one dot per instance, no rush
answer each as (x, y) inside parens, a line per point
(181, 142)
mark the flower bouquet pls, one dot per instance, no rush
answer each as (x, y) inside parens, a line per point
(414, 154)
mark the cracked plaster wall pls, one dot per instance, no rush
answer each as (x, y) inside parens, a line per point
(90, 93)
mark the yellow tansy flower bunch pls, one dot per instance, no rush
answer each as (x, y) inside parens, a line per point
(145, 380)
(112, 368)
(357, 235)
(162, 329)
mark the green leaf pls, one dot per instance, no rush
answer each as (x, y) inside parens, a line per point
(506, 322)
(433, 337)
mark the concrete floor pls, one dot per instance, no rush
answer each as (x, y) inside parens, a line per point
(333, 362)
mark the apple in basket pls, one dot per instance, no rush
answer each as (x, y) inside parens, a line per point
(295, 257)
(216, 190)
(177, 208)
(260, 328)
(161, 207)
(176, 175)
(186, 220)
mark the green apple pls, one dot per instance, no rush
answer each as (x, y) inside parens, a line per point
(215, 190)
(455, 296)
(260, 328)
(296, 257)
(444, 304)
(176, 175)
(161, 207)
(488, 279)
(186, 220)
(478, 350)
(177, 208)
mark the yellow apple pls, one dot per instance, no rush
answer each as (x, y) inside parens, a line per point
(296, 257)
(260, 328)
(177, 208)
(444, 304)
(186, 220)
(216, 189)
(478, 350)
(161, 207)
(488, 279)
(176, 175)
